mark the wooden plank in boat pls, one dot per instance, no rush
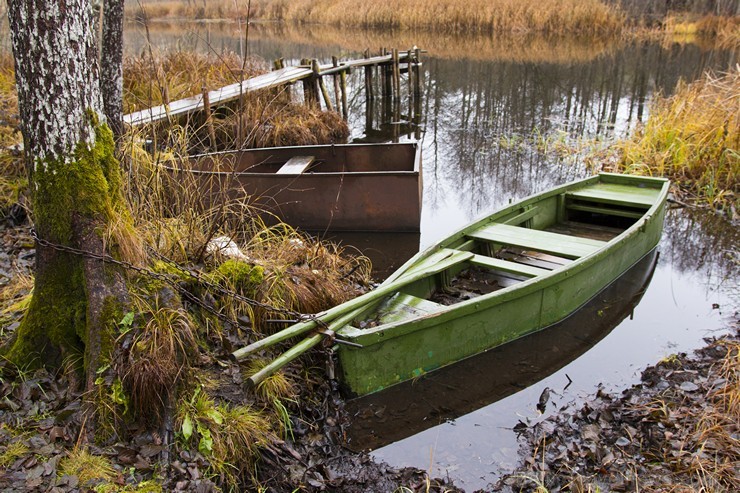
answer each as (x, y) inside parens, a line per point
(404, 306)
(535, 259)
(612, 193)
(584, 230)
(295, 165)
(609, 211)
(543, 241)
(506, 266)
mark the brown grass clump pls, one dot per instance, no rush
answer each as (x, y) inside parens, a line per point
(267, 121)
(13, 180)
(303, 275)
(717, 460)
(693, 137)
(158, 9)
(158, 357)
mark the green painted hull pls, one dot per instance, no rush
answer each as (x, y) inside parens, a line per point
(410, 346)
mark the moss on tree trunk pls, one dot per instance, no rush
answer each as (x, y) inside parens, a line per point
(77, 298)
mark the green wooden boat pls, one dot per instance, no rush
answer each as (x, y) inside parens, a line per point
(517, 271)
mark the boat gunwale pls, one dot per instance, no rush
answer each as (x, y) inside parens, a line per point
(323, 147)
(368, 337)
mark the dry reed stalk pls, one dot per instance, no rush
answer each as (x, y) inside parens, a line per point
(482, 16)
(515, 47)
(183, 74)
(694, 138)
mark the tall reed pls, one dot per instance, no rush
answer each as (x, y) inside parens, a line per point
(694, 138)
(585, 17)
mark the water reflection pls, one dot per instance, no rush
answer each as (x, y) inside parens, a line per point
(501, 130)
(446, 394)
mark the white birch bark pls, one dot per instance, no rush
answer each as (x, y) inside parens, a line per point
(56, 75)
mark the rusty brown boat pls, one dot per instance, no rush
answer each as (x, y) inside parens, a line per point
(340, 187)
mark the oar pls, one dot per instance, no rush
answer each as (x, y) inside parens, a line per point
(439, 262)
(443, 261)
(300, 348)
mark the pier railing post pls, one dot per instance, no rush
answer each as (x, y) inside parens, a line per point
(208, 119)
(368, 78)
(396, 72)
(320, 80)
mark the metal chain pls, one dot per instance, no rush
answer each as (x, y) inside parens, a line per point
(195, 275)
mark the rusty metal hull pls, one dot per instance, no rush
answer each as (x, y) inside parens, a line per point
(348, 187)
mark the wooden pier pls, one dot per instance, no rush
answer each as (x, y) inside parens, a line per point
(389, 65)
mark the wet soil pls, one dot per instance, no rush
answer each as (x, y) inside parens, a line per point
(671, 432)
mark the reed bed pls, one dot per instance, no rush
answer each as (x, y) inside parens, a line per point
(693, 137)
(513, 47)
(588, 17)
(723, 31)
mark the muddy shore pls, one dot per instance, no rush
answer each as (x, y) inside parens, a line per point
(642, 440)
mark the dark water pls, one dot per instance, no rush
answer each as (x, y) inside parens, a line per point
(500, 121)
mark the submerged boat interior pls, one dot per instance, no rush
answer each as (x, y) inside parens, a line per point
(527, 241)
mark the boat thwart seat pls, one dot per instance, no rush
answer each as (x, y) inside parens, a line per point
(612, 199)
(507, 266)
(543, 241)
(296, 165)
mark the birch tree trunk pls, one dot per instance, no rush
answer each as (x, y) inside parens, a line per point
(75, 184)
(111, 61)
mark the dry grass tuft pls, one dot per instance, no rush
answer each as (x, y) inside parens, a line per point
(715, 441)
(276, 386)
(88, 468)
(693, 137)
(20, 286)
(228, 436)
(304, 275)
(158, 358)
(148, 78)
(12, 452)
(724, 30)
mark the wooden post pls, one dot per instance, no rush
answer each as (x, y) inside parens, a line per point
(282, 92)
(209, 120)
(318, 78)
(369, 115)
(395, 67)
(417, 73)
(396, 119)
(417, 96)
(410, 73)
(368, 78)
(387, 77)
(307, 94)
(166, 99)
(343, 79)
(335, 78)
